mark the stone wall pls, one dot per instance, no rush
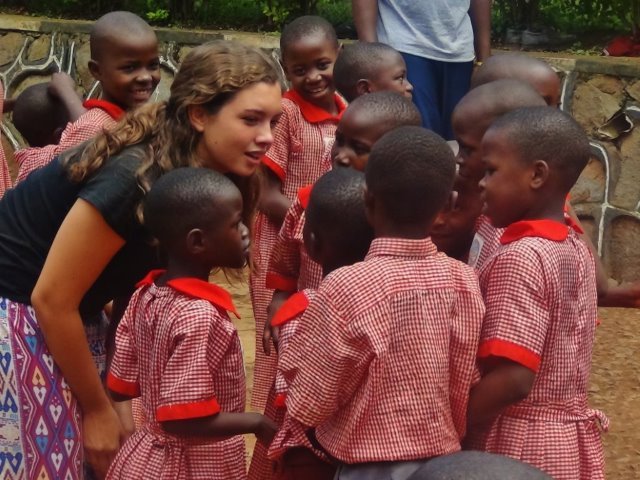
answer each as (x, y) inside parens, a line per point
(603, 94)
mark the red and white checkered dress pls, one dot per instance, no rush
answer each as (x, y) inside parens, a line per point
(5, 177)
(485, 242)
(540, 294)
(300, 154)
(290, 267)
(177, 348)
(384, 357)
(102, 115)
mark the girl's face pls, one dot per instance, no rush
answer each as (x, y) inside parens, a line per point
(235, 139)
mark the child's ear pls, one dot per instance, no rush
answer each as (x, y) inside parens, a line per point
(363, 86)
(195, 241)
(197, 117)
(94, 68)
(313, 244)
(539, 174)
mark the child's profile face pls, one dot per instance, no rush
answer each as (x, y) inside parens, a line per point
(356, 133)
(505, 187)
(228, 241)
(468, 133)
(128, 70)
(392, 76)
(308, 65)
(236, 137)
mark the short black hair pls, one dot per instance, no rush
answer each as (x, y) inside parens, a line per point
(410, 173)
(304, 26)
(337, 211)
(357, 61)
(37, 115)
(186, 198)
(113, 25)
(470, 465)
(546, 133)
(518, 66)
(389, 108)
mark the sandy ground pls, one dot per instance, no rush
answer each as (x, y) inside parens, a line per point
(615, 381)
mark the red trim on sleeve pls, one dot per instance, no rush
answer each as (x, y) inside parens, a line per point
(304, 194)
(184, 411)
(510, 351)
(549, 229)
(295, 305)
(274, 167)
(313, 113)
(115, 384)
(112, 109)
(280, 401)
(276, 281)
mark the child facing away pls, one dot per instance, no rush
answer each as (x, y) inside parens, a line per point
(336, 234)
(300, 154)
(539, 288)
(176, 347)
(380, 367)
(124, 59)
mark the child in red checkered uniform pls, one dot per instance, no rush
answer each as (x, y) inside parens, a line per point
(539, 288)
(299, 155)
(380, 367)
(124, 59)
(176, 346)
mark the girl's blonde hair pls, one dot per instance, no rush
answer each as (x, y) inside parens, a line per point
(210, 75)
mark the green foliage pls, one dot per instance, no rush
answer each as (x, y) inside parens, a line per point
(276, 11)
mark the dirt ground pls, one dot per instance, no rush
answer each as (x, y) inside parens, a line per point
(615, 380)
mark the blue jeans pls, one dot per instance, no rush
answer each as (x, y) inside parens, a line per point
(437, 88)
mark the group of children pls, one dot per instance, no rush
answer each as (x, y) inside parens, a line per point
(391, 350)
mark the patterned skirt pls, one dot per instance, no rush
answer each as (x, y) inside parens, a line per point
(40, 419)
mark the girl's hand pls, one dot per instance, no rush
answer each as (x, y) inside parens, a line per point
(266, 430)
(102, 433)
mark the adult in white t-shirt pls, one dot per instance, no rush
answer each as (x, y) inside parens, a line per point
(439, 40)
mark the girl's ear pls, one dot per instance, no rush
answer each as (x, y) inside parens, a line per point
(539, 174)
(197, 117)
(195, 241)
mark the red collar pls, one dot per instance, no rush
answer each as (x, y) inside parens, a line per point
(112, 109)
(295, 305)
(304, 194)
(549, 229)
(313, 113)
(196, 288)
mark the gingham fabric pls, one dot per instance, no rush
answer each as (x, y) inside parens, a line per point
(540, 293)
(300, 154)
(485, 242)
(87, 126)
(5, 177)
(290, 268)
(384, 357)
(178, 349)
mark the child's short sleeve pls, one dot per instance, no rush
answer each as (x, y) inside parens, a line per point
(284, 143)
(200, 340)
(124, 373)
(517, 316)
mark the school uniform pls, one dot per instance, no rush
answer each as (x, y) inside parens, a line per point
(299, 155)
(101, 115)
(539, 288)
(290, 267)
(383, 361)
(485, 242)
(5, 177)
(177, 348)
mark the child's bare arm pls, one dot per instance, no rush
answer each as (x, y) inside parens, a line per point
(223, 425)
(624, 296)
(272, 201)
(505, 384)
(270, 333)
(365, 15)
(62, 87)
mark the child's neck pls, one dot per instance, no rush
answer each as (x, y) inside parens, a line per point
(179, 268)
(409, 232)
(547, 210)
(329, 104)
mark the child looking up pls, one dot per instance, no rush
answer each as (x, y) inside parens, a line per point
(381, 365)
(176, 346)
(124, 59)
(300, 154)
(539, 288)
(370, 67)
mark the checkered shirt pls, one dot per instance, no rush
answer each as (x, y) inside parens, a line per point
(541, 301)
(90, 124)
(383, 359)
(5, 177)
(178, 349)
(300, 154)
(290, 267)
(485, 242)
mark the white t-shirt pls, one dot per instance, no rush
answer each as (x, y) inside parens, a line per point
(435, 29)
